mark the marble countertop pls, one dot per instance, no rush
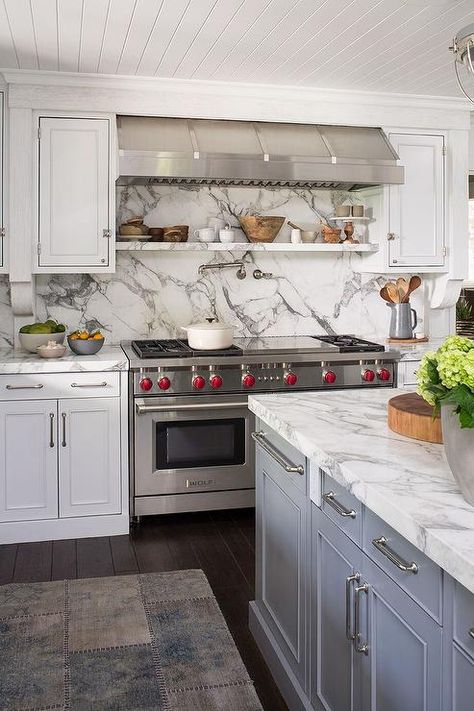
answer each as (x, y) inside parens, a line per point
(108, 358)
(417, 350)
(406, 482)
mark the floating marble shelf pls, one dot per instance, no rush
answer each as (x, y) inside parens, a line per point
(242, 247)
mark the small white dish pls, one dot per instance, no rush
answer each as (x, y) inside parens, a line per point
(227, 234)
(51, 351)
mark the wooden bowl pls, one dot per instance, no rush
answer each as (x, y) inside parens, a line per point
(156, 234)
(176, 233)
(130, 230)
(260, 228)
(331, 234)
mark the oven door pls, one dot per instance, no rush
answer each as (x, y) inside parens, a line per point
(199, 443)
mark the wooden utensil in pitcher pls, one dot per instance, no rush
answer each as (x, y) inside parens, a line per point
(384, 294)
(393, 292)
(414, 283)
(402, 286)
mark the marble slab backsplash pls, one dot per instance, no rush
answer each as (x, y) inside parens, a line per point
(153, 293)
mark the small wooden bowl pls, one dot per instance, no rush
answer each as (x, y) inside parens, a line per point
(331, 235)
(156, 234)
(176, 233)
(259, 228)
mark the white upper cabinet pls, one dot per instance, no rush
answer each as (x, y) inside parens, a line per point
(2, 182)
(416, 208)
(75, 195)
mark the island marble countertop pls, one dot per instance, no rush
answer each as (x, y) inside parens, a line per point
(404, 481)
(416, 351)
(108, 358)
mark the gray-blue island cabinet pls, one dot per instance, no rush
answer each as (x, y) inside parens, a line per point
(348, 614)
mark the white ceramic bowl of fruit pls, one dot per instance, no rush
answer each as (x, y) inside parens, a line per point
(85, 342)
(38, 334)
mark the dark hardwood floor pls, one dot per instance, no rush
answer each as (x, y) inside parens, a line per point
(222, 543)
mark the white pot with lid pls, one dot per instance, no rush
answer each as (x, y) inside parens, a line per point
(211, 335)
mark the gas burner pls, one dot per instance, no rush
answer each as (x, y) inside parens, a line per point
(176, 348)
(351, 344)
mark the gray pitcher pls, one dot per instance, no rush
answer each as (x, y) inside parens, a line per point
(403, 321)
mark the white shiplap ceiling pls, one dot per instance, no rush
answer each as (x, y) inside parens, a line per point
(374, 45)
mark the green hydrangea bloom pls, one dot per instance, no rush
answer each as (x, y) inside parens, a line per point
(424, 380)
(451, 367)
(456, 343)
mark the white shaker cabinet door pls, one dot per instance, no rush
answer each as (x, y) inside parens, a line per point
(417, 208)
(74, 193)
(28, 460)
(2, 182)
(89, 457)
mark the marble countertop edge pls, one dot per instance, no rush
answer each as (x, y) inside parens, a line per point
(17, 362)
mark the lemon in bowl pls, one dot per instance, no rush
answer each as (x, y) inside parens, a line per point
(84, 342)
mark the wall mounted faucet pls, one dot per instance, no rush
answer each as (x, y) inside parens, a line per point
(241, 273)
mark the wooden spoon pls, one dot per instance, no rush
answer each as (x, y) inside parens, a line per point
(402, 286)
(393, 292)
(295, 227)
(384, 294)
(414, 283)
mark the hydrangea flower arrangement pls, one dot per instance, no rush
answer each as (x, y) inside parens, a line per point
(448, 376)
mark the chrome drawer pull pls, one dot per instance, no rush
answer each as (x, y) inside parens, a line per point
(24, 387)
(51, 429)
(64, 443)
(89, 385)
(471, 632)
(381, 545)
(361, 648)
(330, 499)
(143, 409)
(275, 454)
(351, 579)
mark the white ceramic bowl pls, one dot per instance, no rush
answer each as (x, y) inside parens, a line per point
(31, 341)
(46, 352)
(308, 236)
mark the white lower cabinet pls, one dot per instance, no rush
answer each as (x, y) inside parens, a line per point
(28, 460)
(89, 457)
(60, 458)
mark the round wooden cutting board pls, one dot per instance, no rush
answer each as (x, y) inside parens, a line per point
(411, 416)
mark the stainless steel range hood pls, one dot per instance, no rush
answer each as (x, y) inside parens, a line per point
(208, 152)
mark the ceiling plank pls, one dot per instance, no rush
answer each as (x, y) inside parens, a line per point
(45, 25)
(69, 34)
(8, 56)
(161, 35)
(117, 28)
(142, 24)
(21, 24)
(94, 18)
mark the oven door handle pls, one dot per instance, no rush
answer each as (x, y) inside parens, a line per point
(144, 409)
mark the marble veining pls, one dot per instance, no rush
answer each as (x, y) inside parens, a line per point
(406, 482)
(109, 358)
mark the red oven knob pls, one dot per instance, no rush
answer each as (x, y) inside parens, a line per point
(216, 382)
(164, 383)
(198, 382)
(248, 380)
(368, 375)
(290, 379)
(384, 374)
(329, 377)
(146, 384)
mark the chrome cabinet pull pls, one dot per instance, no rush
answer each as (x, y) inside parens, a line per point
(330, 499)
(24, 387)
(391, 236)
(51, 429)
(89, 385)
(275, 454)
(143, 409)
(471, 632)
(351, 579)
(381, 545)
(364, 647)
(107, 234)
(64, 443)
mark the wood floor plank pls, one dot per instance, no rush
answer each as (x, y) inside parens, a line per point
(245, 519)
(214, 557)
(123, 555)
(238, 545)
(64, 564)
(33, 562)
(7, 562)
(94, 557)
(151, 548)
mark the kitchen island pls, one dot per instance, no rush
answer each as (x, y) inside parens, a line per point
(365, 559)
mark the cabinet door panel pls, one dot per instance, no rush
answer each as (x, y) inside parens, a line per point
(281, 563)
(28, 460)
(403, 667)
(73, 192)
(89, 457)
(463, 680)
(2, 182)
(416, 208)
(335, 664)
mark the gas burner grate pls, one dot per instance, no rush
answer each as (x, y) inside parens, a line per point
(351, 344)
(176, 348)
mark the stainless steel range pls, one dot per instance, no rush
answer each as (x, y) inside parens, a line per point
(189, 422)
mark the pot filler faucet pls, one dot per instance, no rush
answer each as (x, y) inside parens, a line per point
(241, 273)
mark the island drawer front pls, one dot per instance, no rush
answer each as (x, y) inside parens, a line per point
(464, 618)
(408, 372)
(281, 447)
(379, 541)
(52, 386)
(341, 507)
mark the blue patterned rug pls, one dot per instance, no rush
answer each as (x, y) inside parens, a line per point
(134, 642)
